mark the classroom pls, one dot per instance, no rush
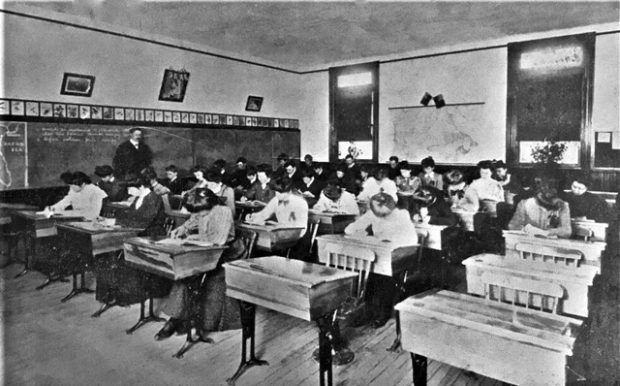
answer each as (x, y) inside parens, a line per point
(364, 192)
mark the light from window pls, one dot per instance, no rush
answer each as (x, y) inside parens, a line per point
(552, 58)
(355, 80)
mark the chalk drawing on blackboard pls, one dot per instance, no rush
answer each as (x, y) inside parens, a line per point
(13, 154)
(453, 134)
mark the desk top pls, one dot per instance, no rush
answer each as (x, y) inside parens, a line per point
(294, 271)
(550, 331)
(364, 241)
(266, 227)
(317, 213)
(489, 260)
(9, 206)
(95, 227)
(118, 204)
(174, 249)
(562, 242)
(32, 215)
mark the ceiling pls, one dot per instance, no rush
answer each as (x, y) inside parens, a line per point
(307, 34)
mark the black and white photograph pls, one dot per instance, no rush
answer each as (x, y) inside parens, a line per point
(349, 193)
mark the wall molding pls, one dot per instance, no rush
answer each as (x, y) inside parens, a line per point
(63, 112)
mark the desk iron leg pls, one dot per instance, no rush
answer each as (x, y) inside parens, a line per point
(248, 320)
(395, 347)
(325, 350)
(191, 295)
(29, 248)
(77, 290)
(419, 363)
(144, 320)
(341, 354)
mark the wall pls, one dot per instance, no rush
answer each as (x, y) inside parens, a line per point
(129, 72)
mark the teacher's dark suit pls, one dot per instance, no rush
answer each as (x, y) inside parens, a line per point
(129, 161)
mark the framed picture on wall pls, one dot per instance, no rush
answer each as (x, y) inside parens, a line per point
(77, 84)
(254, 103)
(173, 85)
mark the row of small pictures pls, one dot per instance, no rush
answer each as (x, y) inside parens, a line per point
(86, 112)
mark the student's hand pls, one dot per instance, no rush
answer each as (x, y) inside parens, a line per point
(175, 233)
(243, 199)
(534, 231)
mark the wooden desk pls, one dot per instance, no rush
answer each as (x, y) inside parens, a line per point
(36, 226)
(329, 222)
(434, 233)
(272, 237)
(9, 231)
(246, 207)
(303, 290)
(86, 239)
(574, 280)
(389, 258)
(589, 230)
(175, 262)
(112, 208)
(591, 251)
(500, 341)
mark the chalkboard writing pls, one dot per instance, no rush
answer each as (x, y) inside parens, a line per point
(80, 134)
(34, 154)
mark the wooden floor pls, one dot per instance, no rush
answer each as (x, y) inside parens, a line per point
(45, 342)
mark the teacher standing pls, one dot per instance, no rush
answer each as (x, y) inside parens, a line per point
(132, 156)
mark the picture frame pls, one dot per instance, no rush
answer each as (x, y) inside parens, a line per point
(72, 111)
(77, 84)
(254, 103)
(96, 112)
(32, 109)
(46, 109)
(173, 85)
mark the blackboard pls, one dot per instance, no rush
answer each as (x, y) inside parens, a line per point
(52, 148)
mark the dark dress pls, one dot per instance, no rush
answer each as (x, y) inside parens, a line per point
(116, 282)
(589, 205)
(217, 311)
(115, 190)
(129, 161)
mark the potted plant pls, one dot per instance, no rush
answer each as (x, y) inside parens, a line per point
(549, 155)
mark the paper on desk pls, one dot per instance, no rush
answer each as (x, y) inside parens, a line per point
(199, 243)
(170, 242)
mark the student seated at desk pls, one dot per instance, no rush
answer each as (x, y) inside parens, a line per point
(383, 185)
(289, 209)
(345, 178)
(311, 187)
(428, 175)
(156, 186)
(511, 185)
(261, 188)
(544, 214)
(455, 191)
(224, 192)
(405, 183)
(319, 172)
(199, 173)
(147, 213)
(384, 222)
(437, 209)
(173, 182)
(585, 205)
(213, 223)
(84, 198)
(393, 170)
(109, 184)
(334, 199)
(485, 188)
(220, 166)
(242, 185)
